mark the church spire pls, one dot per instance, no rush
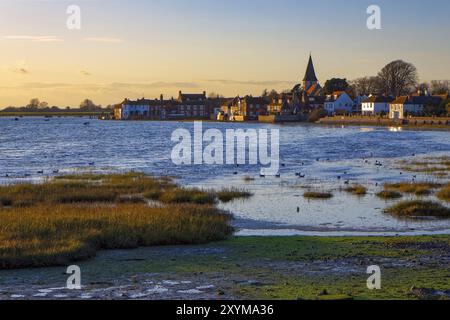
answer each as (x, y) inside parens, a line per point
(310, 75)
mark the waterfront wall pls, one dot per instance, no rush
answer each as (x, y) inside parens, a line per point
(373, 120)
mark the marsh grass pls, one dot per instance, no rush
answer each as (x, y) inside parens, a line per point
(358, 190)
(71, 217)
(417, 188)
(389, 194)
(184, 195)
(229, 194)
(436, 166)
(85, 188)
(444, 193)
(415, 209)
(317, 195)
(47, 235)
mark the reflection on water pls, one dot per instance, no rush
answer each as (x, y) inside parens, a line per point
(321, 154)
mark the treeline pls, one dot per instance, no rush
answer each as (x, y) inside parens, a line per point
(35, 105)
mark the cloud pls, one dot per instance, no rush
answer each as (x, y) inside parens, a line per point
(85, 73)
(34, 38)
(252, 83)
(21, 70)
(110, 87)
(103, 39)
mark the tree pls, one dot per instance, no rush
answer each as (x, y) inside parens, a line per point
(436, 110)
(273, 94)
(43, 105)
(214, 95)
(423, 87)
(440, 86)
(88, 104)
(335, 84)
(366, 86)
(265, 93)
(34, 104)
(397, 78)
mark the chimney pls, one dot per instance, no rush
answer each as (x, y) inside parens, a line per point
(204, 93)
(161, 97)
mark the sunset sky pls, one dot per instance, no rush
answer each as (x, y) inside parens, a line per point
(141, 48)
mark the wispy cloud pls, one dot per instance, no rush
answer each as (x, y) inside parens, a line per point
(85, 73)
(103, 39)
(33, 38)
(101, 87)
(251, 83)
(21, 70)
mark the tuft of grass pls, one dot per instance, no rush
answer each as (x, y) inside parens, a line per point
(444, 193)
(317, 195)
(358, 190)
(84, 188)
(417, 188)
(389, 194)
(415, 209)
(227, 195)
(184, 195)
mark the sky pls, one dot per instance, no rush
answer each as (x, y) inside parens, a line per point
(144, 48)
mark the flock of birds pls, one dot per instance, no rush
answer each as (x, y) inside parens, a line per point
(302, 175)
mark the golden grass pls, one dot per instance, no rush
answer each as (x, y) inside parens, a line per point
(436, 166)
(415, 209)
(444, 193)
(83, 188)
(229, 194)
(358, 190)
(317, 195)
(70, 218)
(417, 188)
(47, 235)
(196, 196)
(389, 194)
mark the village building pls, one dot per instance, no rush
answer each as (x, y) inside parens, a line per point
(358, 100)
(310, 92)
(376, 105)
(187, 106)
(192, 106)
(412, 105)
(339, 102)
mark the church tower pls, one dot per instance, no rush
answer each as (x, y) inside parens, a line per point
(310, 76)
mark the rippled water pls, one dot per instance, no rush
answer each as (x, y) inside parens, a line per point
(321, 153)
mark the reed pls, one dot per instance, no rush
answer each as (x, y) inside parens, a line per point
(46, 235)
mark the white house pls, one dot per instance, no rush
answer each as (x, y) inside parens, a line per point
(358, 103)
(339, 101)
(411, 105)
(139, 108)
(376, 105)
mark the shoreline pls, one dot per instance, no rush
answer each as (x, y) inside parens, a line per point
(326, 123)
(312, 268)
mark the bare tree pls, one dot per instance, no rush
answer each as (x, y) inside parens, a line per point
(89, 105)
(365, 85)
(423, 87)
(34, 103)
(43, 105)
(214, 95)
(398, 77)
(440, 86)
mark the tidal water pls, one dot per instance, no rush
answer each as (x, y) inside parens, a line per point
(32, 149)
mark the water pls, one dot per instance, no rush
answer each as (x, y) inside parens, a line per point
(67, 145)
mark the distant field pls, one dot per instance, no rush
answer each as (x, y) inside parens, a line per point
(51, 114)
